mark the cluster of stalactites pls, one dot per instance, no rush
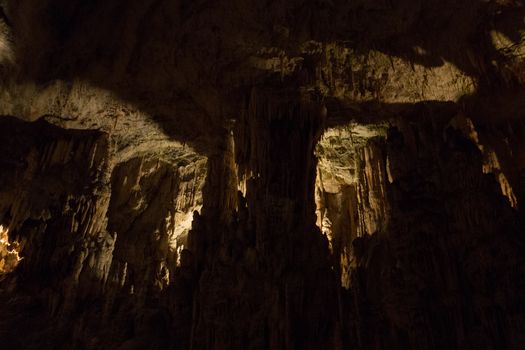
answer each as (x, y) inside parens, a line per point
(276, 121)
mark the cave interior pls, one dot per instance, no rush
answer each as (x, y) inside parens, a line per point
(247, 174)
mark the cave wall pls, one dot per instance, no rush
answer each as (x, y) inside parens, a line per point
(95, 236)
(429, 276)
(420, 229)
(417, 242)
(438, 267)
(55, 194)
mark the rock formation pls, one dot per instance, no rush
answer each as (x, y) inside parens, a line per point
(305, 174)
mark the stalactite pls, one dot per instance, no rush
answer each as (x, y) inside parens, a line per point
(271, 236)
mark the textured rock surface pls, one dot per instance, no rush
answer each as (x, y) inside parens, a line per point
(96, 237)
(351, 194)
(305, 174)
(433, 276)
(9, 257)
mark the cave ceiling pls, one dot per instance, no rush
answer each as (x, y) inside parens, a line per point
(161, 73)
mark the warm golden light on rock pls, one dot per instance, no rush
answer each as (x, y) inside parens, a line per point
(491, 161)
(9, 257)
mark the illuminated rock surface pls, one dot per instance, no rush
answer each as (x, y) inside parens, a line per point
(240, 174)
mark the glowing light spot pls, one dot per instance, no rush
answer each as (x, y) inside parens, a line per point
(9, 257)
(420, 51)
(179, 254)
(181, 224)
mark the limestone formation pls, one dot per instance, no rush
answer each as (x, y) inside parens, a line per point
(244, 174)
